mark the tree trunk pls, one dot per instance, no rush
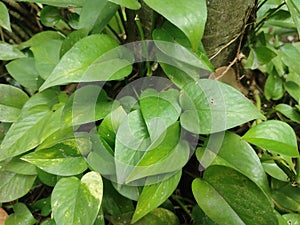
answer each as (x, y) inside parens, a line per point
(225, 27)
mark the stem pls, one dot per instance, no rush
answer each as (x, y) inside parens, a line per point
(115, 33)
(185, 209)
(142, 35)
(261, 22)
(258, 103)
(261, 4)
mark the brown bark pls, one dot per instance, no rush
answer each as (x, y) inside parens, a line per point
(225, 26)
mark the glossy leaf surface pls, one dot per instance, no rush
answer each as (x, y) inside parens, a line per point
(237, 154)
(189, 16)
(71, 197)
(4, 17)
(154, 195)
(210, 106)
(63, 159)
(275, 136)
(226, 197)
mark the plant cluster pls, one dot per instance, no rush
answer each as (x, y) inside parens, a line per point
(95, 130)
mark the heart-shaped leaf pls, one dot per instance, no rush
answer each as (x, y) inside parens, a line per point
(71, 197)
(210, 106)
(275, 136)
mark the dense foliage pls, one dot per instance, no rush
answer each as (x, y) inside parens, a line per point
(99, 130)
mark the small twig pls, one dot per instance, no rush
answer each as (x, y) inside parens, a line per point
(225, 46)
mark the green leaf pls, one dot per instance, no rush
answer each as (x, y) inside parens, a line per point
(226, 197)
(46, 56)
(14, 186)
(292, 85)
(175, 56)
(49, 222)
(36, 122)
(50, 16)
(231, 153)
(289, 112)
(154, 195)
(58, 3)
(87, 104)
(130, 192)
(292, 218)
(289, 55)
(274, 87)
(130, 4)
(47, 178)
(12, 100)
(76, 201)
(200, 218)
(173, 49)
(4, 17)
(113, 203)
(159, 216)
(109, 126)
(210, 106)
(275, 136)
(41, 37)
(96, 14)
(24, 72)
(44, 205)
(9, 52)
(72, 39)
(91, 51)
(294, 9)
(21, 216)
(259, 56)
(273, 170)
(63, 159)
(189, 17)
(160, 110)
(137, 155)
(18, 166)
(287, 198)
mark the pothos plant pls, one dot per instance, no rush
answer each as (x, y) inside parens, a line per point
(97, 132)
